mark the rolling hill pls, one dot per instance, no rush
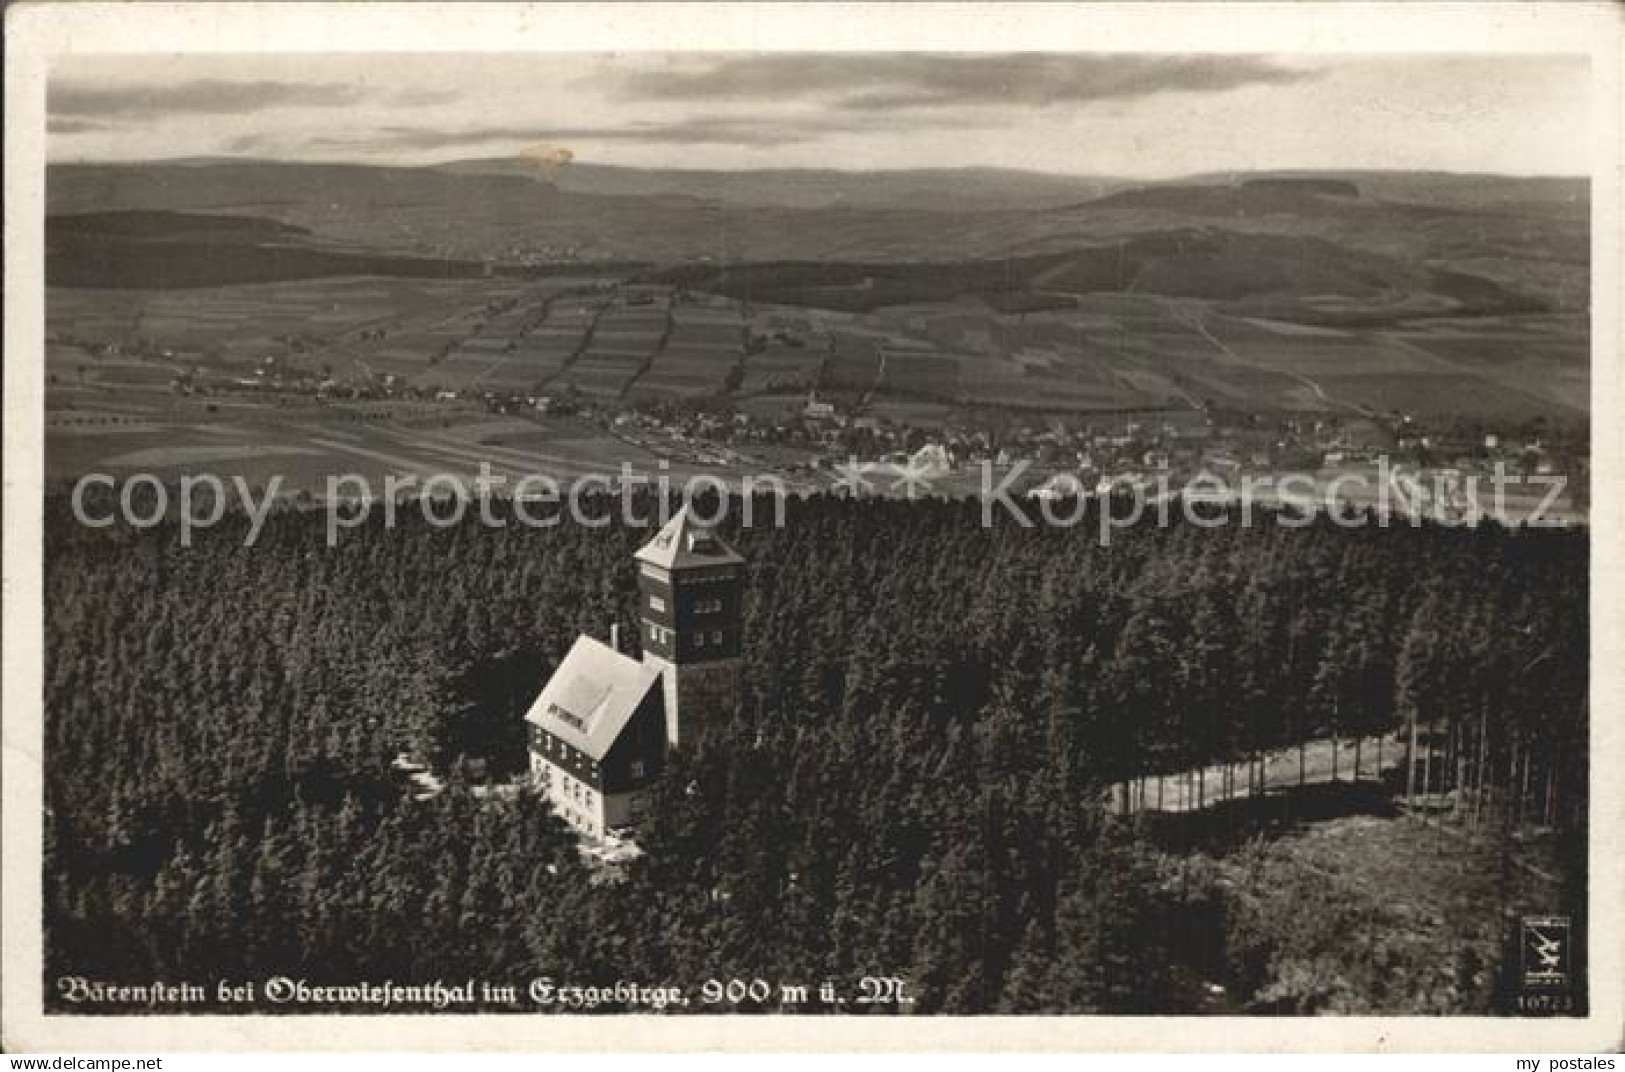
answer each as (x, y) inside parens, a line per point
(940, 189)
(1244, 271)
(1317, 289)
(159, 249)
(484, 210)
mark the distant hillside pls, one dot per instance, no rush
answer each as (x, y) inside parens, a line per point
(944, 189)
(1456, 189)
(157, 250)
(1281, 276)
(1527, 237)
(171, 226)
(1311, 198)
(1300, 187)
(430, 211)
(1531, 236)
(265, 187)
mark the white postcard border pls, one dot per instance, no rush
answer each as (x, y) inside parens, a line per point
(36, 32)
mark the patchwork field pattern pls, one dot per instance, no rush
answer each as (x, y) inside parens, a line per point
(619, 345)
(703, 351)
(198, 380)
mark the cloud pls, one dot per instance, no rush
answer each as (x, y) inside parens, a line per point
(885, 81)
(201, 97)
(423, 98)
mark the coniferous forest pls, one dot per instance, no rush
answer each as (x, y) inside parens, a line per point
(917, 785)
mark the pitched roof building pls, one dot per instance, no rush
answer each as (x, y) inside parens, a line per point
(598, 737)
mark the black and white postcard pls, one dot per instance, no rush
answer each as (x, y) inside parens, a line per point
(812, 527)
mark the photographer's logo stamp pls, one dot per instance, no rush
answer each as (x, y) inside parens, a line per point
(1545, 951)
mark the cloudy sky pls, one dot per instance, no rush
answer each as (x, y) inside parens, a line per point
(1111, 114)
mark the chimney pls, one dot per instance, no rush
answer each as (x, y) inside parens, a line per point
(615, 635)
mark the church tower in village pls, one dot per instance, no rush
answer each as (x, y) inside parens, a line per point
(690, 588)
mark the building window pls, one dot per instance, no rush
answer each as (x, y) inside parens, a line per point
(637, 768)
(716, 638)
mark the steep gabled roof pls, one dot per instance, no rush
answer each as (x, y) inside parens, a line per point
(685, 542)
(591, 696)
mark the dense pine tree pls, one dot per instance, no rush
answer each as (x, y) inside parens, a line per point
(914, 784)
